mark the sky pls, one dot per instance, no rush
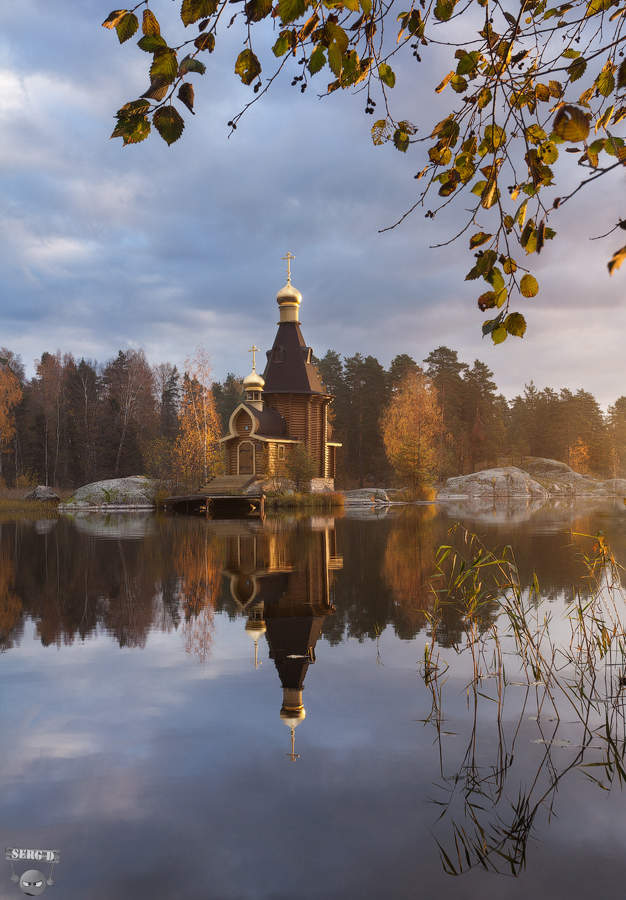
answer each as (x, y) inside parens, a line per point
(105, 247)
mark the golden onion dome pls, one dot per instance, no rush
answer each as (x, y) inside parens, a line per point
(253, 382)
(289, 295)
(292, 717)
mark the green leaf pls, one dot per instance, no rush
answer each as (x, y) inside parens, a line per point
(150, 24)
(283, 44)
(169, 123)
(334, 59)
(484, 98)
(380, 132)
(317, 61)
(604, 119)
(158, 89)
(495, 279)
(135, 107)
(535, 134)
(190, 64)
(479, 188)
(401, 140)
(596, 6)
(151, 43)
(495, 137)
(499, 334)
(571, 124)
(478, 239)
(515, 324)
(126, 27)
(256, 10)
(387, 75)
(185, 95)
(520, 215)
(577, 69)
(468, 62)
(490, 324)
(247, 66)
(549, 153)
(528, 239)
(132, 129)
(613, 145)
(571, 54)
(205, 41)
(617, 259)
(509, 265)
(290, 10)
(458, 84)
(366, 6)
(192, 10)
(528, 286)
(444, 9)
(605, 82)
(164, 65)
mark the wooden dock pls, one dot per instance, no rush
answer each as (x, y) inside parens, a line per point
(221, 497)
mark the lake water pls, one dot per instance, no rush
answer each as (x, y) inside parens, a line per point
(242, 710)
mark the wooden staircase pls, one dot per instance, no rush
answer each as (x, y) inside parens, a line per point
(225, 485)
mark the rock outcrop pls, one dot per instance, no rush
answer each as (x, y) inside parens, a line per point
(136, 492)
(534, 478)
(507, 481)
(43, 494)
(366, 496)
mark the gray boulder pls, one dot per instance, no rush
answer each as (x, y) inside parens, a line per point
(366, 496)
(491, 484)
(43, 494)
(135, 492)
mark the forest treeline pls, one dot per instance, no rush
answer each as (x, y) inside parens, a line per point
(76, 422)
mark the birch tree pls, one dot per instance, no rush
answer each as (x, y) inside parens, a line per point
(196, 452)
(411, 427)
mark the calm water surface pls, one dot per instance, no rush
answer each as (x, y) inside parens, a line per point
(237, 710)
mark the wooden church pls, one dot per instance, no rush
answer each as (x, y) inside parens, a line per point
(286, 407)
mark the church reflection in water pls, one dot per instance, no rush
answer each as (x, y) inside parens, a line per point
(282, 580)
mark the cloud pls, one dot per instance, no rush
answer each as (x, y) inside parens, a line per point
(105, 247)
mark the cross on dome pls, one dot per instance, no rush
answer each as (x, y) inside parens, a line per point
(289, 257)
(253, 350)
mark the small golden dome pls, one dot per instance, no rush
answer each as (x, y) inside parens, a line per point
(289, 295)
(292, 717)
(253, 382)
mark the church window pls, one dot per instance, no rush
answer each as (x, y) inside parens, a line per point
(281, 451)
(278, 354)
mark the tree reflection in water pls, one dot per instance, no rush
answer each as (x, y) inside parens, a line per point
(489, 809)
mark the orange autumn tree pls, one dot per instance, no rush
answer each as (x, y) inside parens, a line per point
(10, 396)
(411, 427)
(196, 452)
(198, 557)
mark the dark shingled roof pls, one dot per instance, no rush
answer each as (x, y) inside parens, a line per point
(288, 369)
(271, 423)
(290, 640)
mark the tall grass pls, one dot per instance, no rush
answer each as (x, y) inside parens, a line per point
(11, 506)
(508, 635)
(322, 500)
